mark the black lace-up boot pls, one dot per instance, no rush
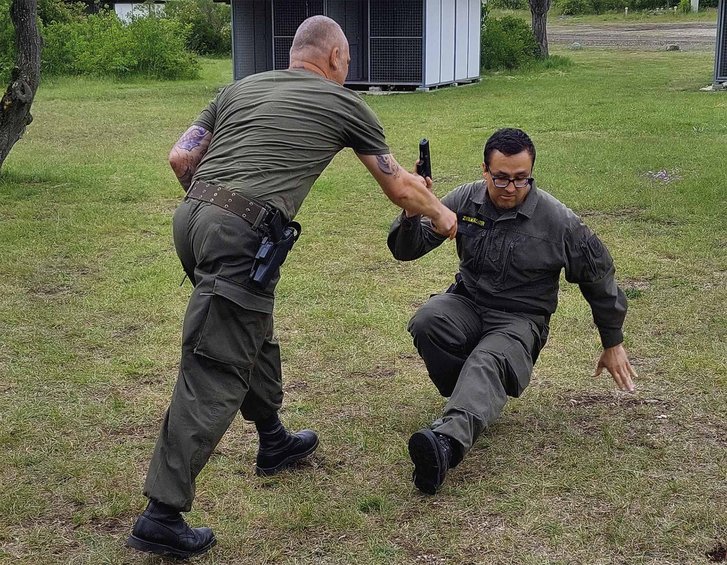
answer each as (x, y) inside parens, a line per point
(162, 530)
(279, 448)
(431, 454)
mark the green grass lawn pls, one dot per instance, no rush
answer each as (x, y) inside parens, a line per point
(573, 473)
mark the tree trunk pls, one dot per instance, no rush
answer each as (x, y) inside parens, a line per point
(25, 77)
(539, 17)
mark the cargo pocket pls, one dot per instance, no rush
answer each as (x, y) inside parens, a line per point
(236, 324)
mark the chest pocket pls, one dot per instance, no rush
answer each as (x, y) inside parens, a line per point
(499, 253)
(507, 253)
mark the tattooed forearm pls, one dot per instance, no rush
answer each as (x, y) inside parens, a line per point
(192, 138)
(388, 165)
(185, 179)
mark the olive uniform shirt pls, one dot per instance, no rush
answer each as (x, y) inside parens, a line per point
(275, 132)
(512, 260)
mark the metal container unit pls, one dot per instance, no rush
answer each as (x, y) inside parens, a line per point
(407, 43)
(720, 54)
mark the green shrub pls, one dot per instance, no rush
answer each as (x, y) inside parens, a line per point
(575, 7)
(507, 43)
(158, 46)
(102, 45)
(58, 11)
(685, 6)
(209, 24)
(509, 4)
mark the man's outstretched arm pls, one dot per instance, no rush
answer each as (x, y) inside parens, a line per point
(410, 192)
(187, 153)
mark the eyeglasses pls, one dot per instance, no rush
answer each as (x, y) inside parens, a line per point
(504, 182)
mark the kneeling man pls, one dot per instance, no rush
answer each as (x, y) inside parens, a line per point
(480, 340)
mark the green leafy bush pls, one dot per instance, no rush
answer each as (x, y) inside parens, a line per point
(208, 22)
(102, 45)
(509, 4)
(575, 7)
(507, 43)
(58, 11)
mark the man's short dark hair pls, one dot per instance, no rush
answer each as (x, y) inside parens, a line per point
(509, 141)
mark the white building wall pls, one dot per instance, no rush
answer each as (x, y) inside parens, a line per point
(473, 60)
(433, 42)
(462, 31)
(447, 41)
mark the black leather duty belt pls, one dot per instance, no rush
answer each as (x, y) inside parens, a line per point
(249, 210)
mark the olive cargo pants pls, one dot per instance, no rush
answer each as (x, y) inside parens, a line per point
(230, 359)
(477, 357)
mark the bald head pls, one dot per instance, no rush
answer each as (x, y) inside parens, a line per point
(316, 36)
(320, 45)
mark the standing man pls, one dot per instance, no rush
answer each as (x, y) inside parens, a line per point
(480, 340)
(247, 164)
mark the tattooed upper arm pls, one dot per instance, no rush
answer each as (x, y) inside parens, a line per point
(388, 165)
(194, 137)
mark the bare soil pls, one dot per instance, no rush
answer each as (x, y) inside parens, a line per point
(689, 36)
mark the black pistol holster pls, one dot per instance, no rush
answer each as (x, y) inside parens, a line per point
(274, 248)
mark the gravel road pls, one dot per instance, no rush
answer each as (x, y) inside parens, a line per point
(689, 36)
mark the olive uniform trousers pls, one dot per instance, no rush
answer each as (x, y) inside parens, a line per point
(477, 357)
(230, 359)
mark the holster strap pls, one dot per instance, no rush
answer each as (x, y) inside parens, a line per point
(249, 210)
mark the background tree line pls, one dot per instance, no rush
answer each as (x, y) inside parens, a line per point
(88, 38)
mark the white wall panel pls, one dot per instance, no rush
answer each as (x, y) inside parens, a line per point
(473, 60)
(447, 41)
(462, 30)
(432, 42)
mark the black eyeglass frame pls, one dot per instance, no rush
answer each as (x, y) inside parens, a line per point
(526, 181)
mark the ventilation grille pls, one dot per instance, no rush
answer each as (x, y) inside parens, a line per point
(396, 59)
(282, 52)
(396, 18)
(287, 16)
(396, 41)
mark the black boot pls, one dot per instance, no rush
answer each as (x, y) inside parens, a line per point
(431, 454)
(279, 448)
(162, 530)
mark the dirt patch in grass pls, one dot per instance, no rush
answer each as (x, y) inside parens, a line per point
(588, 399)
(718, 553)
(51, 290)
(58, 279)
(376, 373)
(621, 213)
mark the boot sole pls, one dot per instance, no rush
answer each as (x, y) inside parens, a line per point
(427, 461)
(287, 462)
(166, 550)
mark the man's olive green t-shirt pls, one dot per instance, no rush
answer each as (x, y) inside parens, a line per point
(273, 133)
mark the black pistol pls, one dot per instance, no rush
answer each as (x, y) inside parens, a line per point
(424, 166)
